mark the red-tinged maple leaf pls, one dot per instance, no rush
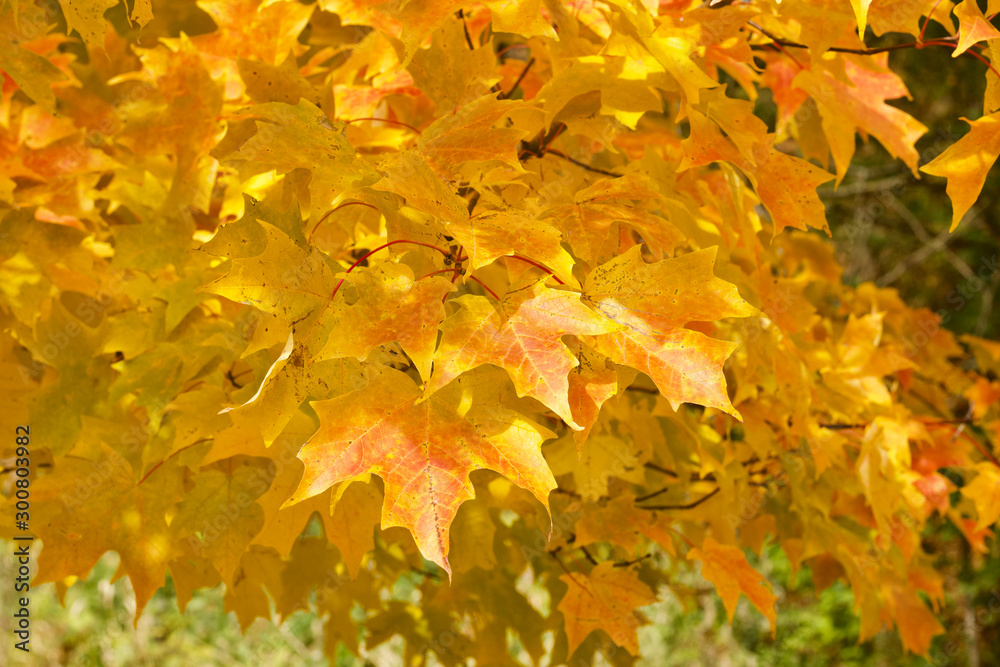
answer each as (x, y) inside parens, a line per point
(779, 77)
(916, 623)
(936, 488)
(606, 599)
(587, 224)
(786, 184)
(391, 306)
(423, 451)
(522, 335)
(31, 72)
(592, 382)
(862, 106)
(652, 303)
(252, 29)
(621, 522)
(470, 136)
(727, 568)
(362, 101)
(976, 537)
(489, 235)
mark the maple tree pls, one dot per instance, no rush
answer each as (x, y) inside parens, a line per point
(498, 297)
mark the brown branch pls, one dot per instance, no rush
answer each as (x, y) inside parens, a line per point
(465, 27)
(948, 42)
(594, 561)
(652, 495)
(658, 468)
(645, 390)
(626, 563)
(688, 506)
(517, 83)
(847, 427)
(540, 148)
(426, 573)
(838, 49)
(584, 165)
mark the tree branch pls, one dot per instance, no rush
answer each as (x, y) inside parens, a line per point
(838, 49)
(688, 506)
(465, 27)
(517, 83)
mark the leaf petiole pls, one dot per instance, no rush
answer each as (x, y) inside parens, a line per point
(383, 247)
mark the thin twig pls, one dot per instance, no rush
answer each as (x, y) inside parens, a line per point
(465, 27)
(584, 165)
(157, 466)
(540, 266)
(847, 427)
(517, 83)
(626, 563)
(688, 506)
(334, 210)
(838, 49)
(381, 247)
(492, 293)
(658, 468)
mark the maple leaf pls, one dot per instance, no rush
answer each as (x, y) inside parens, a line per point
(606, 599)
(727, 568)
(87, 18)
(490, 235)
(524, 337)
(116, 510)
(222, 510)
(917, 624)
(392, 307)
(973, 27)
(448, 72)
(289, 382)
(276, 83)
(983, 491)
(588, 222)
(652, 302)
(285, 279)
(966, 163)
(860, 8)
(470, 136)
(302, 137)
(423, 451)
(592, 382)
(33, 73)
(594, 463)
(619, 522)
(786, 184)
(252, 28)
(862, 106)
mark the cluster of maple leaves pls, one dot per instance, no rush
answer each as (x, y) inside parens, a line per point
(296, 296)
